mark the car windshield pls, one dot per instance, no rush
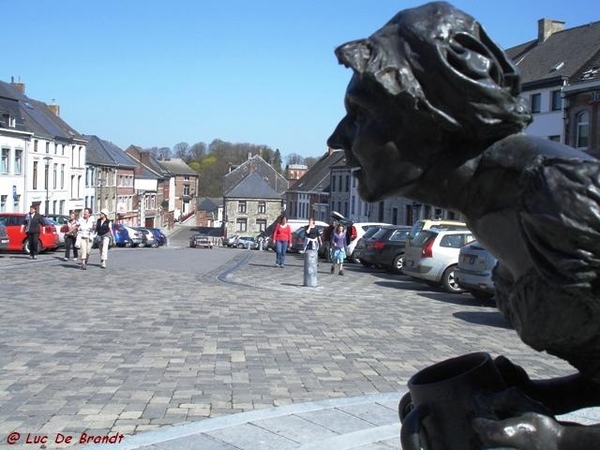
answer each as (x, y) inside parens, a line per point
(370, 232)
(399, 235)
(380, 233)
(423, 237)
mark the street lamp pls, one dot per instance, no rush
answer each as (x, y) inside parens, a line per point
(47, 159)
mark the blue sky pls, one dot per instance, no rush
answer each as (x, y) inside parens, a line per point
(155, 73)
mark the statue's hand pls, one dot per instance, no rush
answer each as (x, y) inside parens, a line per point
(513, 375)
(530, 431)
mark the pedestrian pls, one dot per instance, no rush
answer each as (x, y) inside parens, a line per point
(282, 236)
(338, 244)
(312, 236)
(104, 236)
(32, 227)
(71, 237)
(86, 235)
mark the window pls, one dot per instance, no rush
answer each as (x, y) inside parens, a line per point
(395, 216)
(536, 103)
(241, 225)
(62, 176)
(333, 182)
(4, 162)
(242, 207)
(347, 183)
(35, 145)
(556, 101)
(555, 138)
(35, 175)
(47, 147)
(582, 129)
(18, 161)
(455, 240)
(340, 183)
(262, 224)
(3, 199)
(54, 176)
(262, 208)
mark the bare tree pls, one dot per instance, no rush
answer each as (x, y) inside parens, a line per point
(164, 153)
(197, 151)
(294, 158)
(181, 150)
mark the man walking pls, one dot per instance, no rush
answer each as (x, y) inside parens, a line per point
(32, 227)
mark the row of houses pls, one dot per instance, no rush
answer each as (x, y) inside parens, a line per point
(47, 163)
(560, 72)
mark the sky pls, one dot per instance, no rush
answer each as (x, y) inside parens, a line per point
(263, 72)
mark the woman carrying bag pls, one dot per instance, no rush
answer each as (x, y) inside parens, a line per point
(104, 236)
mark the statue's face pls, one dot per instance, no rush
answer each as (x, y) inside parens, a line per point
(376, 137)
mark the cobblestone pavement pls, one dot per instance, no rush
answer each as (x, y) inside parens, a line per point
(126, 351)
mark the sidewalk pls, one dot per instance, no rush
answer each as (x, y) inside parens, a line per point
(367, 422)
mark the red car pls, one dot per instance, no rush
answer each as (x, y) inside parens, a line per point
(17, 239)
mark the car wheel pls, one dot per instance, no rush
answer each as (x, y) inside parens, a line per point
(365, 264)
(398, 263)
(128, 244)
(240, 246)
(449, 282)
(154, 245)
(26, 246)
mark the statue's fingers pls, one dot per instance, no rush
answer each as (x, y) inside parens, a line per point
(490, 432)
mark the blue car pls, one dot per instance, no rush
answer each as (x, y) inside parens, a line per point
(121, 234)
(159, 236)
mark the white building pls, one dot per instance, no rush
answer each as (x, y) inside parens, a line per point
(43, 158)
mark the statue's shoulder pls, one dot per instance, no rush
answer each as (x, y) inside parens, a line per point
(521, 152)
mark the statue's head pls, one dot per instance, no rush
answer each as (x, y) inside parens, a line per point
(427, 87)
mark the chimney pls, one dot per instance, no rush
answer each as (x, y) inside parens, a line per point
(20, 86)
(54, 108)
(547, 27)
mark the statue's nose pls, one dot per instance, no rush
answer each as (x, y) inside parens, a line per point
(340, 138)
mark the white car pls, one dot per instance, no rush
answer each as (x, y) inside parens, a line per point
(432, 256)
(354, 232)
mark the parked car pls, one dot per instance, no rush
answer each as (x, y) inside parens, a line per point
(17, 239)
(121, 235)
(150, 240)
(200, 240)
(386, 248)
(246, 242)
(354, 231)
(61, 222)
(231, 241)
(361, 245)
(298, 238)
(433, 256)
(138, 238)
(159, 236)
(474, 272)
(3, 238)
(426, 224)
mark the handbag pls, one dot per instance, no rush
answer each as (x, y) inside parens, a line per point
(78, 241)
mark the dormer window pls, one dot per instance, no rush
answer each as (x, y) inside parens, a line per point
(9, 120)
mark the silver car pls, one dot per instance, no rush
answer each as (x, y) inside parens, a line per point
(474, 273)
(432, 256)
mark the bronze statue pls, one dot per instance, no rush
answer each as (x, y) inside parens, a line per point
(434, 114)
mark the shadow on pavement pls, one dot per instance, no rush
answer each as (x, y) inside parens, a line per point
(492, 319)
